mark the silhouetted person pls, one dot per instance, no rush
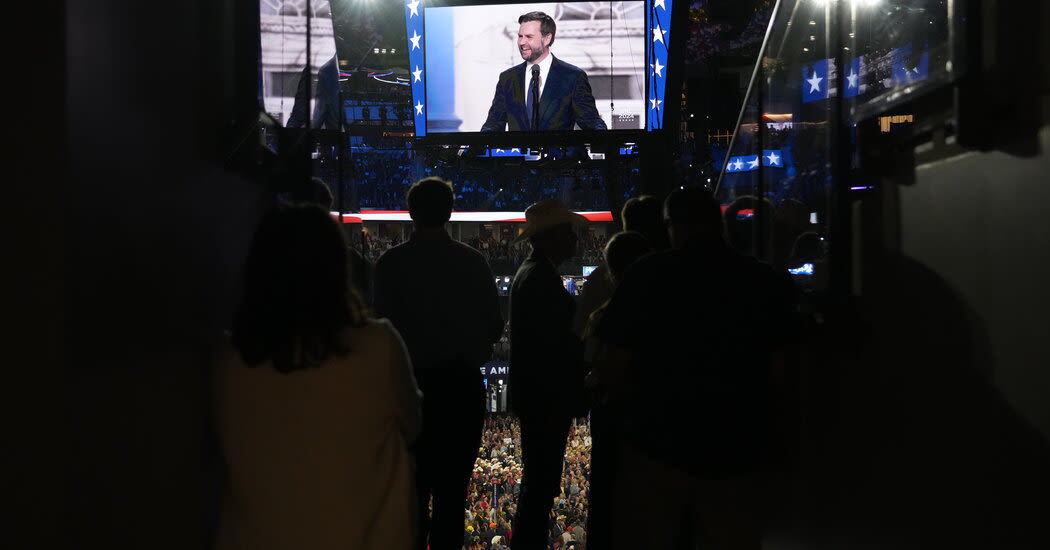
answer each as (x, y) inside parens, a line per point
(622, 250)
(317, 192)
(743, 218)
(325, 91)
(546, 378)
(695, 329)
(642, 214)
(790, 221)
(806, 262)
(313, 191)
(441, 296)
(315, 403)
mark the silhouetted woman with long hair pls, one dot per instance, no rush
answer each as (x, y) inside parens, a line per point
(315, 402)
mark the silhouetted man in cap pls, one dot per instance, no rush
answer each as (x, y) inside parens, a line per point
(546, 378)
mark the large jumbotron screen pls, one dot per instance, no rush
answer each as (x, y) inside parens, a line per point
(467, 66)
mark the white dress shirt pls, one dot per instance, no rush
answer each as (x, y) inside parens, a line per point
(545, 69)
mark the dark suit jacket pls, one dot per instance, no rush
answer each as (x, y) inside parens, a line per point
(566, 100)
(546, 357)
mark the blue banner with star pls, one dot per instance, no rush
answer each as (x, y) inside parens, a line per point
(853, 80)
(908, 68)
(511, 152)
(659, 25)
(744, 163)
(773, 158)
(815, 81)
(414, 28)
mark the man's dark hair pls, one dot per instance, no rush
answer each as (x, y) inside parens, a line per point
(695, 207)
(644, 214)
(741, 227)
(316, 191)
(807, 248)
(623, 249)
(309, 191)
(430, 201)
(547, 25)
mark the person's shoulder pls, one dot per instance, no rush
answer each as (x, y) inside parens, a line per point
(466, 250)
(528, 265)
(533, 270)
(756, 267)
(394, 254)
(378, 334)
(507, 73)
(374, 328)
(566, 66)
(655, 262)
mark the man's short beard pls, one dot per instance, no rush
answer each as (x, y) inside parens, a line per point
(536, 54)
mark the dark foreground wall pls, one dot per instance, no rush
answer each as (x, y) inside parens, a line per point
(156, 232)
(980, 222)
(927, 393)
(927, 418)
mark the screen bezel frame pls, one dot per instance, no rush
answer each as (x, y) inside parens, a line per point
(554, 137)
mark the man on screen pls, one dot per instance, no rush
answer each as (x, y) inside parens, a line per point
(544, 92)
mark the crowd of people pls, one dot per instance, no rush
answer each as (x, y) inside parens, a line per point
(503, 254)
(495, 484)
(383, 178)
(495, 249)
(592, 247)
(372, 246)
(594, 421)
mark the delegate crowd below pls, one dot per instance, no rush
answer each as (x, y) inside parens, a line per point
(494, 486)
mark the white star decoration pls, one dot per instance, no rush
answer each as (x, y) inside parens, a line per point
(415, 39)
(413, 8)
(419, 108)
(416, 74)
(753, 163)
(814, 82)
(515, 150)
(659, 4)
(738, 165)
(774, 158)
(655, 103)
(658, 34)
(657, 68)
(852, 78)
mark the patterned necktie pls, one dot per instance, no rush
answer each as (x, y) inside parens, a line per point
(532, 100)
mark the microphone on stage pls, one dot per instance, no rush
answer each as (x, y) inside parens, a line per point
(534, 97)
